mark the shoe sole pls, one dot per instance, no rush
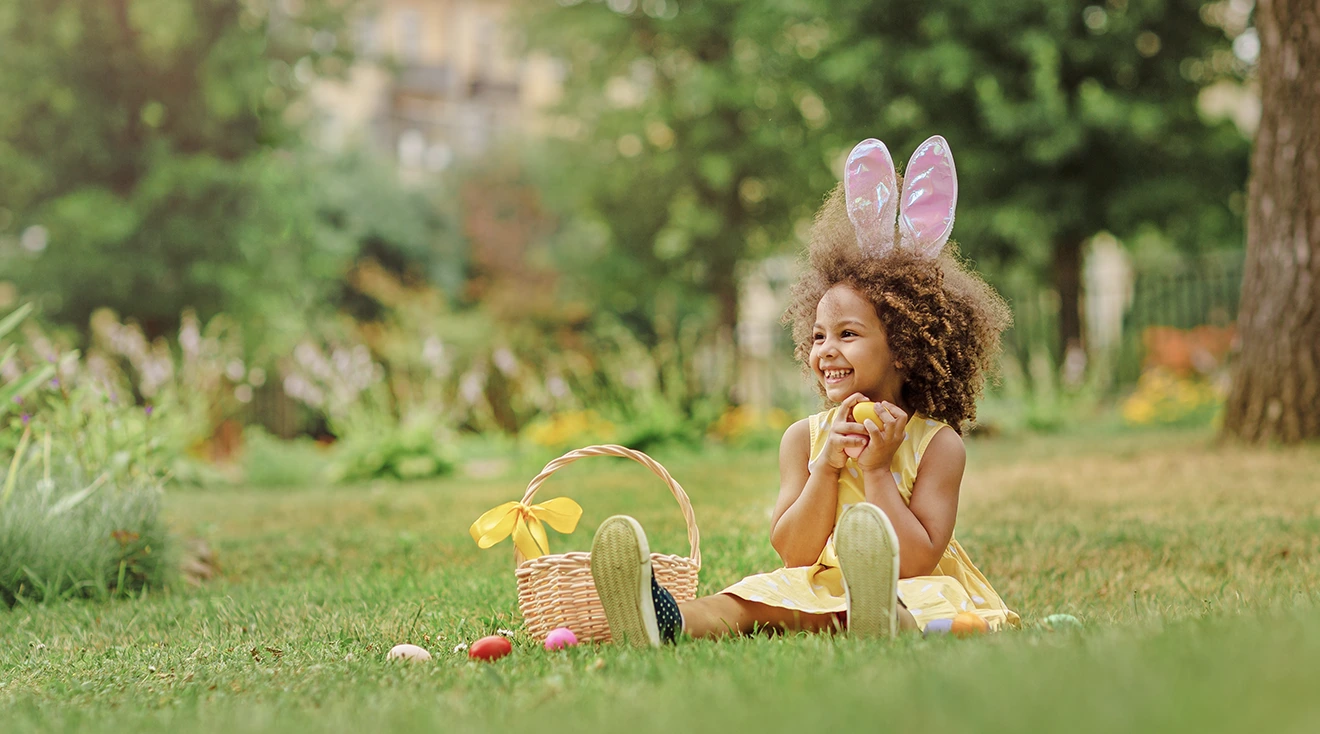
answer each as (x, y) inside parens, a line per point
(621, 570)
(867, 547)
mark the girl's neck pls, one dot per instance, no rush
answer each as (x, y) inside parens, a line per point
(890, 396)
(891, 391)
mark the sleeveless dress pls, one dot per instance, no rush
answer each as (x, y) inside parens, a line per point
(955, 586)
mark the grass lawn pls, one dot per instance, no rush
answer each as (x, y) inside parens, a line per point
(1194, 567)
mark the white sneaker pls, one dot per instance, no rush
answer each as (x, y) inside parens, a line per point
(867, 547)
(621, 570)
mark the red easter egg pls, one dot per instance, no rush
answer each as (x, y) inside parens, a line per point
(967, 624)
(490, 648)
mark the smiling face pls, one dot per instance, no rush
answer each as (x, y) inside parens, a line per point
(849, 349)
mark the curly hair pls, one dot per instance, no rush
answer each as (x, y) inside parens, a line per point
(942, 321)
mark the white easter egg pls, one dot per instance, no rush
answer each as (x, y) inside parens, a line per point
(408, 652)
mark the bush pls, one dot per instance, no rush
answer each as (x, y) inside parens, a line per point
(80, 504)
(746, 427)
(63, 536)
(1038, 397)
(1162, 397)
(416, 448)
(271, 462)
(18, 383)
(569, 430)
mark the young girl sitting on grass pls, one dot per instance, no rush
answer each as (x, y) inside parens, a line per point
(865, 516)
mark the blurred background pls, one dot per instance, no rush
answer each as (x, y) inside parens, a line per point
(292, 241)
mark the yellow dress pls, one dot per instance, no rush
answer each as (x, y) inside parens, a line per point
(955, 586)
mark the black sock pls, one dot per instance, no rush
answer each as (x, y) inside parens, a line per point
(667, 616)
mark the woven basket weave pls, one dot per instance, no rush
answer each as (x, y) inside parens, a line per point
(557, 590)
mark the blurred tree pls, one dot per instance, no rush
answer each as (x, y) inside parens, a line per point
(1276, 391)
(1069, 118)
(698, 133)
(677, 155)
(139, 161)
(312, 217)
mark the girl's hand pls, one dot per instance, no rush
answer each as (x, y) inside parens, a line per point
(844, 436)
(884, 439)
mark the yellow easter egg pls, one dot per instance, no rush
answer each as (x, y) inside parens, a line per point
(864, 410)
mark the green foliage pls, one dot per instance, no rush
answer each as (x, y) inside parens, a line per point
(658, 423)
(123, 441)
(271, 462)
(139, 151)
(1165, 398)
(416, 448)
(1039, 396)
(13, 390)
(80, 507)
(130, 407)
(669, 179)
(696, 135)
(68, 529)
(747, 428)
(668, 393)
(318, 217)
(496, 367)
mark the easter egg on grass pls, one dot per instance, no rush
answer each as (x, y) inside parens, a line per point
(1062, 622)
(560, 638)
(408, 652)
(938, 627)
(966, 624)
(490, 648)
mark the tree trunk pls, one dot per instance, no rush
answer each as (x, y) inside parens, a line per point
(724, 286)
(1276, 390)
(1068, 284)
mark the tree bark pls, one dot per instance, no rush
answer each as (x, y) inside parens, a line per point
(1068, 284)
(1276, 389)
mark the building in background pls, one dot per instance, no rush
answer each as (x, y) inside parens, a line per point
(436, 81)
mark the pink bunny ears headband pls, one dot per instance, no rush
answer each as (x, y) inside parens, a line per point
(921, 218)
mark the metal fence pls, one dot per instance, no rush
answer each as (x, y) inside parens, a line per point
(1193, 293)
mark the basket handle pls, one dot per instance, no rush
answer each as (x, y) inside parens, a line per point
(694, 537)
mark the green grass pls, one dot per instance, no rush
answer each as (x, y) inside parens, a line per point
(65, 536)
(1193, 566)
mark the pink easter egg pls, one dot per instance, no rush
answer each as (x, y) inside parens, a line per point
(560, 638)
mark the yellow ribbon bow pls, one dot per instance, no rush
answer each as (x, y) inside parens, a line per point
(524, 522)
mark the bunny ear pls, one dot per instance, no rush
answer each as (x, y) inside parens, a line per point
(930, 195)
(871, 188)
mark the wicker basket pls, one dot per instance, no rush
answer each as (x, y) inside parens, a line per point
(557, 590)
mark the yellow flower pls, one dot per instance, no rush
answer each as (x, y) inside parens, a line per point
(571, 428)
(742, 420)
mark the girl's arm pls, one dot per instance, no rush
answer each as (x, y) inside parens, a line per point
(808, 495)
(804, 513)
(925, 526)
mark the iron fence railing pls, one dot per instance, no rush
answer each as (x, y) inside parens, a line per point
(1193, 293)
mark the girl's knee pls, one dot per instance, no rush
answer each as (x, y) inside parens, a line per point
(906, 622)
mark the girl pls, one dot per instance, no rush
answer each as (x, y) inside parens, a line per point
(865, 516)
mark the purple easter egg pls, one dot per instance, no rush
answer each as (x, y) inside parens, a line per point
(938, 627)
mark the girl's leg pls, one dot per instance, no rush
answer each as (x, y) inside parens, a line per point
(906, 622)
(726, 614)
